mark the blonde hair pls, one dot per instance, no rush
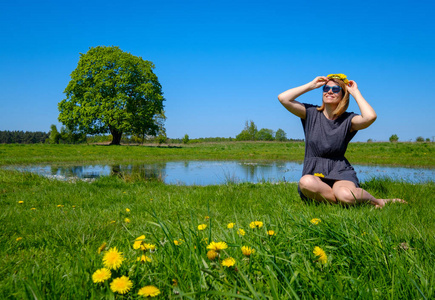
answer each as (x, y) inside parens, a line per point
(344, 102)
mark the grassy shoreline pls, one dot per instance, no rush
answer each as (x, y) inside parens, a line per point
(393, 154)
(51, 230)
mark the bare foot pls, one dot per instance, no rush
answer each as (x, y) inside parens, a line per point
(385, 201)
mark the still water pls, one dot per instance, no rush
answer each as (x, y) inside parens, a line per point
(220, 172)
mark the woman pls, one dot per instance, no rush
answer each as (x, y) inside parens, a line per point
(327, 175)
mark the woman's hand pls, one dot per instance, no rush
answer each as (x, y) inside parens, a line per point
(352, 87)
(319, 81)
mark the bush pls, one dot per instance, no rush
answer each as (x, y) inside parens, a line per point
(186, 139)
(394, 138)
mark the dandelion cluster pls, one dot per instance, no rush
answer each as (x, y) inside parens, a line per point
(229, 258)
(256, 224)
(113, 260)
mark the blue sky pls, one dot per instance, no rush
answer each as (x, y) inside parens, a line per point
(222, 63)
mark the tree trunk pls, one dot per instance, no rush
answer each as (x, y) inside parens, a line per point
(116, 140)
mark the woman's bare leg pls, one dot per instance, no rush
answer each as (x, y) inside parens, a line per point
(314, 188)
(347, 193)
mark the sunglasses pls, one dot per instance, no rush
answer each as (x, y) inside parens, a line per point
(335, 89)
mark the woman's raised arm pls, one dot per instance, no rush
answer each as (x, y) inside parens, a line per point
(368, 114)
(288, 97)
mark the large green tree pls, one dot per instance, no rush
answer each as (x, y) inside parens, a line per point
(112, 91)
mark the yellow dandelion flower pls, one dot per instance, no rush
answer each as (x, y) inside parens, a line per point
(319, 175)
(321, 254)
(144, 258)
(149, 291)
(33, 208)
(146, 246)
(59, 205)
(18, 239)
(20, 202)
(73, 206)
(247, 251)
(113, 259)
(140, 238)
(315, 221)
(241, 232)
(271, 233)
(112, 222)
(101, 275)
(127, 220)
(207, 218)
(228, 262)
(121, 285)
(178, 242)
(217, 246)
(339, 76)
(127, 210)
(202, 226)
(138, 242)
(212, 254)
(256, 224)
(230, 225)
(101, 248)
(137, 245)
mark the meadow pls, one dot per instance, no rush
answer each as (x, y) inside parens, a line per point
(230, 241)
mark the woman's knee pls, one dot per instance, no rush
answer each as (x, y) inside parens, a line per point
(308, 183)
(345, 195)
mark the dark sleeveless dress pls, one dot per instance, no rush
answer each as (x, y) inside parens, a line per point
(325, 145)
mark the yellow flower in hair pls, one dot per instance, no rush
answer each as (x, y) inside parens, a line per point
(342, 77)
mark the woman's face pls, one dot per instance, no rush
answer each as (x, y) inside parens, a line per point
(331, 96)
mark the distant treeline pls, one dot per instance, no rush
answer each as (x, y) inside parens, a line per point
(21, 137)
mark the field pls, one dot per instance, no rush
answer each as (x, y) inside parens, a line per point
(55, 234)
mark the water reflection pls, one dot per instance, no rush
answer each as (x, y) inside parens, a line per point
(218, 172)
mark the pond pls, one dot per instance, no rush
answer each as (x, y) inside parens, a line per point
(219, 172)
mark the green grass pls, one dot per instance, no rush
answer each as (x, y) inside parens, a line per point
(50, 252)
(398, 154)
(49, 242)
